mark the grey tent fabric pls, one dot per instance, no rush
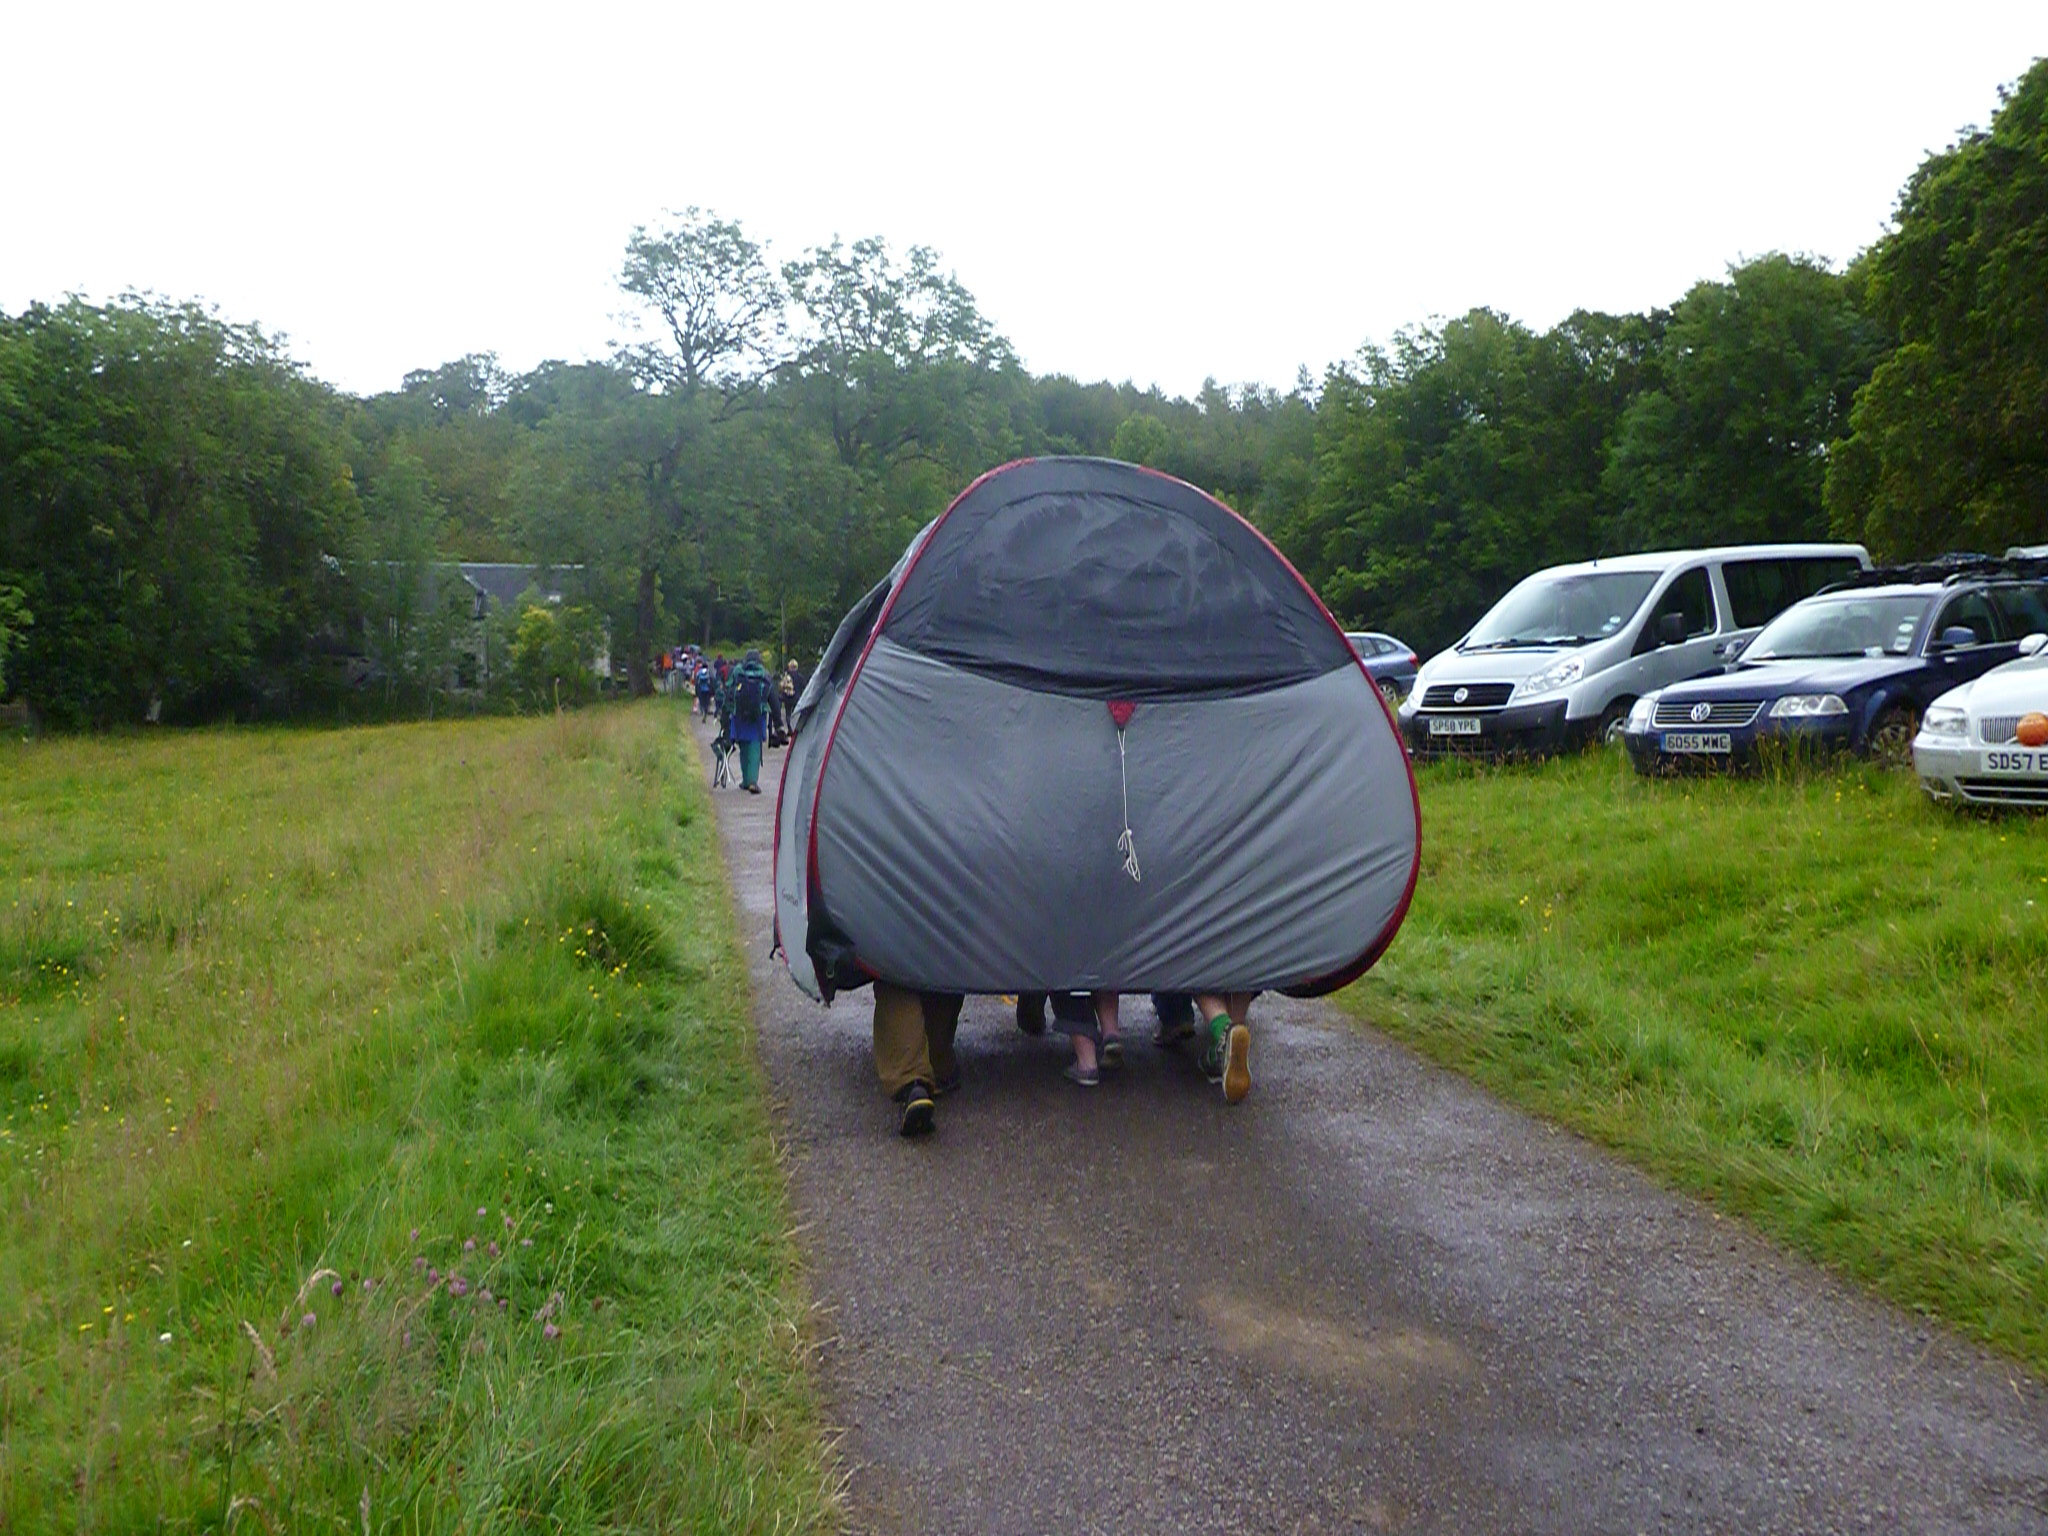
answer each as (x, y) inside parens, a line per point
(1093, 731)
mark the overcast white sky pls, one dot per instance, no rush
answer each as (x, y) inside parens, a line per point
(1157, 192)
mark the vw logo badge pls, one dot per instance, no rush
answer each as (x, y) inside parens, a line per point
(1700, 713)
(1461, 695)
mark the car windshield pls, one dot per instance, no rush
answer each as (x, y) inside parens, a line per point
(1562, 610)
(1840, 626)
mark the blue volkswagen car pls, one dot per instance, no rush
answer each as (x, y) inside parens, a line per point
(1849, 670)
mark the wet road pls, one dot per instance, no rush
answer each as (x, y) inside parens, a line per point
(1370, 1298)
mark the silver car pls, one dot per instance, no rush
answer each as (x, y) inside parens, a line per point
(1968, 749)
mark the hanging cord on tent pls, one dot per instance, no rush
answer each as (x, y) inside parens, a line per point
(1127, 845)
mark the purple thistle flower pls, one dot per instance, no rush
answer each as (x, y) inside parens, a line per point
(415, 1234)
(550, 1331)
(309, 1320)
(335, 1289)
(494, 1250)
(526, 1242)
(508, 1223)
(469, 1245)
(484, 1295)
(457, 1286)
(369, 1282)
(483, 1211)
(433, 1275)
(503, 1303)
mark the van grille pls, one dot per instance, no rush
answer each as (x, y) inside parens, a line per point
(1477, 695)
(1722, 714)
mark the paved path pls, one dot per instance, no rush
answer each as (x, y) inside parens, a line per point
(1370, 1298)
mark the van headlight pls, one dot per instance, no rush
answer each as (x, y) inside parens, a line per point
(1808, 706)
(1560, 674)
(1946, 720)
(1645, 709)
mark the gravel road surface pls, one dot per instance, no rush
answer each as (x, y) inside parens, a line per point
(1369, 1298)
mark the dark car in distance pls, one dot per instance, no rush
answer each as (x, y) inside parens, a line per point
(1389, 662)
(1850, 669)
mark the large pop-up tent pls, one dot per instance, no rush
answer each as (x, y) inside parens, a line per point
(1092, 731)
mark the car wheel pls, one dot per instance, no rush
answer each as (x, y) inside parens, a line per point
(1613, 721)
(1391, 692)
(1890, 742)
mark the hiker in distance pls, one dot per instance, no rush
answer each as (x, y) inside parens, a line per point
(747, 717)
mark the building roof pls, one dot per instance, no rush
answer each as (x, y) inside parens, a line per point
(506, 583)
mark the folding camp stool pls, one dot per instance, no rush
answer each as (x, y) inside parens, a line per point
(723, 750)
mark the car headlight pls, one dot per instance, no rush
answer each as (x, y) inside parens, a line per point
(1946, 720)
(1807, 706)
(1640, 716)
(1561, 674)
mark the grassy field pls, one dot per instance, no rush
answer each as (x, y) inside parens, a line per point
(1812, 997)
(381, 1142)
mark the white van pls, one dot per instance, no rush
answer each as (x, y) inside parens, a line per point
(1560, 659)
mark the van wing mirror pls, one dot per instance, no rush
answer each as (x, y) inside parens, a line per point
(2031, 646)
(1670, 629)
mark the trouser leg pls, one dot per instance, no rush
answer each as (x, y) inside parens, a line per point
(750, 763)
(902, 1048)
(941, 1023)
(1073, 1013)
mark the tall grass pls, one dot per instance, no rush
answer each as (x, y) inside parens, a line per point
(381, 1144)
(1811, 996)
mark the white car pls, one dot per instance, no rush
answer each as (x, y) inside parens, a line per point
(1968, 748)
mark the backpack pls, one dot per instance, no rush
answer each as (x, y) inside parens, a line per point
(749, 698)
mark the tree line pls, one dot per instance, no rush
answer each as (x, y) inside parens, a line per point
(192, 526)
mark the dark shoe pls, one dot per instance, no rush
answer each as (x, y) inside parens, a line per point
(1237, 1064)
(920, 1114)
(947, 1082)
(1087, 1077)
(1031, 1012)
(1172, 1031)
(1214, 1040)
(753, 789)
(1110, 1050)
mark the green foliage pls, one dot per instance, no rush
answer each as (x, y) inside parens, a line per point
(1810, 997)
(172, 484)
(553, 655)
(1948, 445)
(15, 620)
(1753, 378)
(1451, 466)
(1142, 438)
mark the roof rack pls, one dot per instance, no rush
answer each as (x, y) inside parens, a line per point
(1957, 565)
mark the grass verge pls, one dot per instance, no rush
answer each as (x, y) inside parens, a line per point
(1812, 997)
(381, 1143)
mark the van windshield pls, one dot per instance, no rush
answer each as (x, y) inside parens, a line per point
(1562, 610)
